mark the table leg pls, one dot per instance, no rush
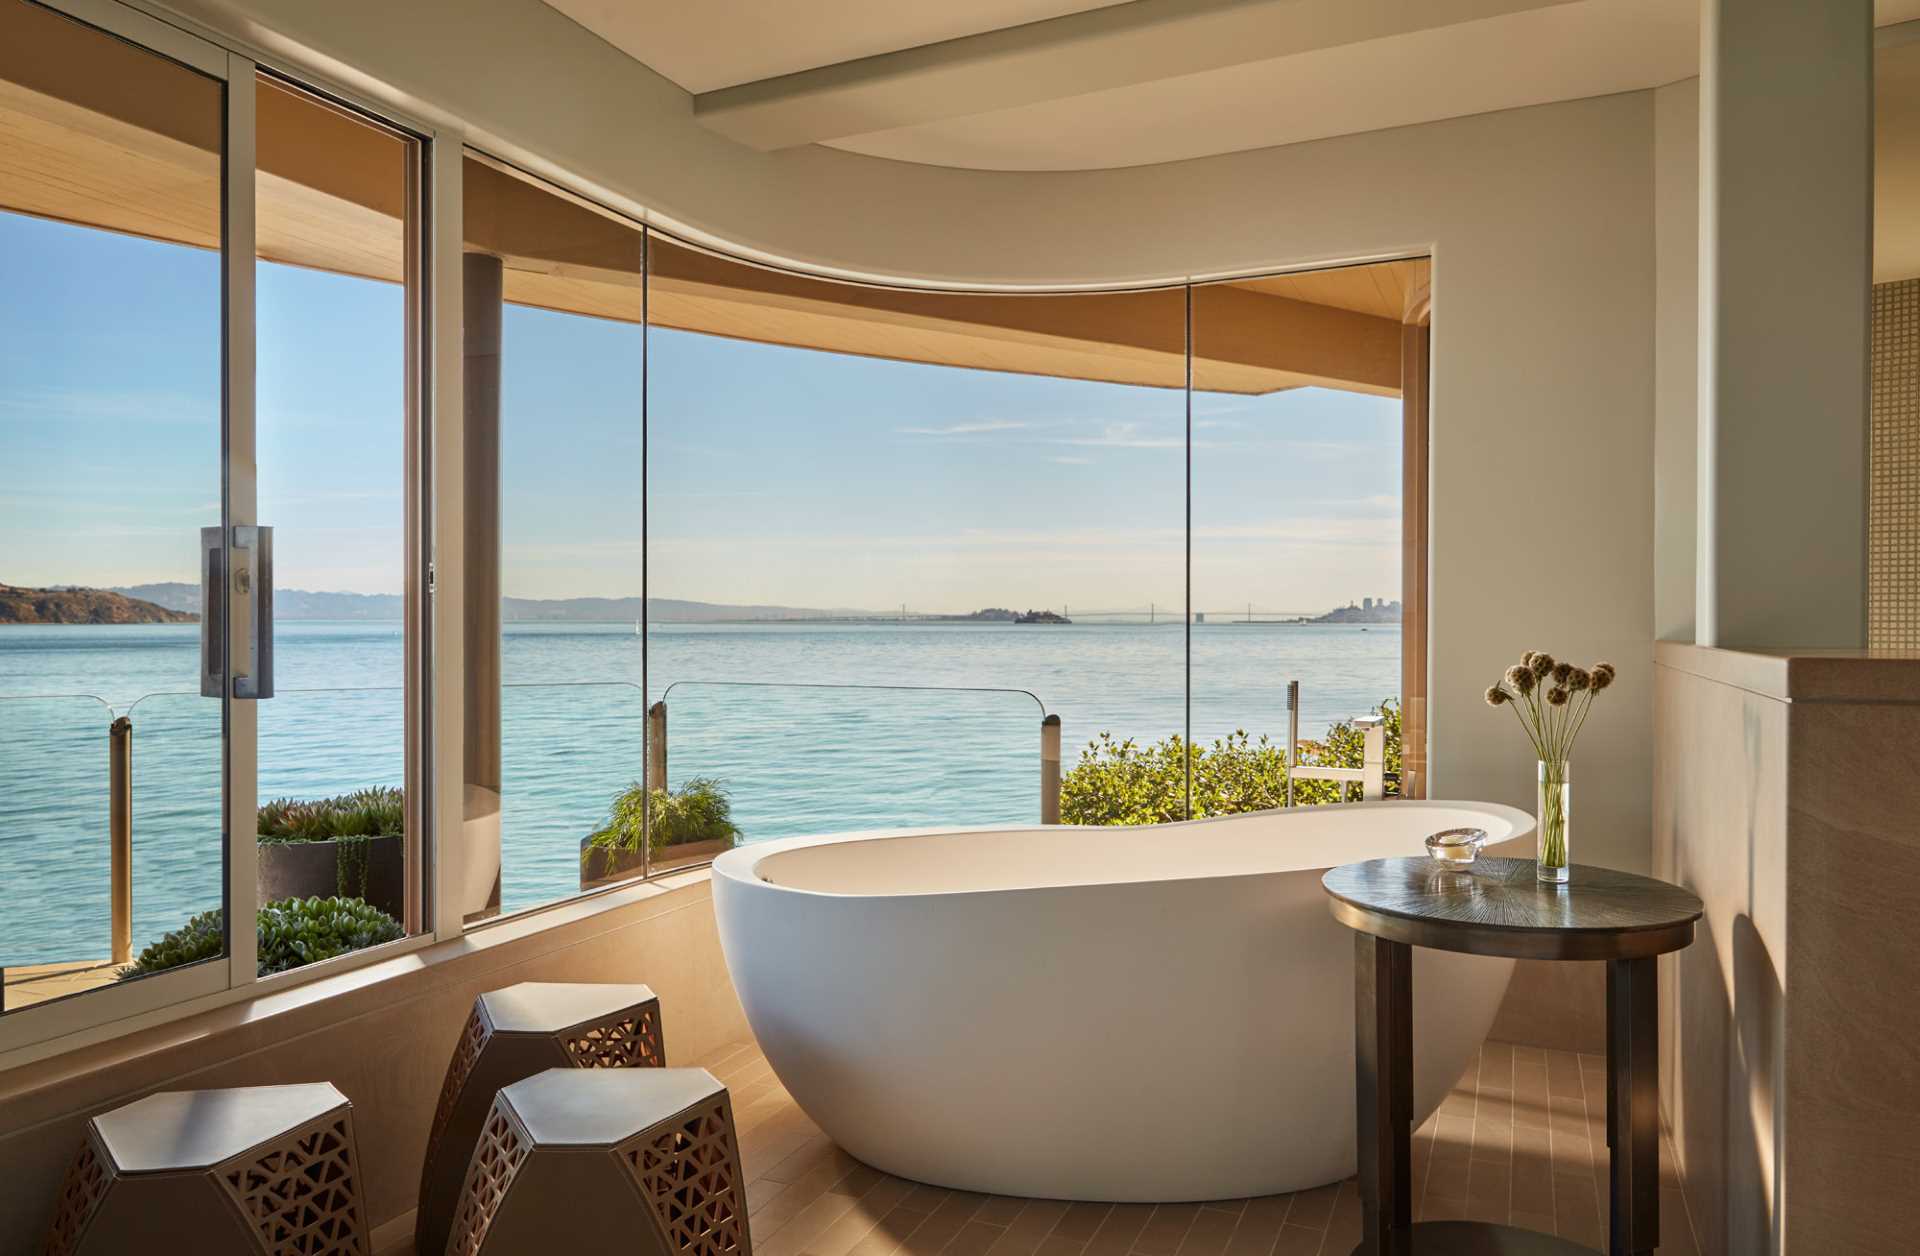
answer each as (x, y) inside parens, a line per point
(1633, 1106)
(1383, 1076)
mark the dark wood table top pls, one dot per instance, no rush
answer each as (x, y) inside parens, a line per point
(1498, 907)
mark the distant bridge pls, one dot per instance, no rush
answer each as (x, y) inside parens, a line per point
(1151, 613)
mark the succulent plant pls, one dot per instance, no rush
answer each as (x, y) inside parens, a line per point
(290, 933)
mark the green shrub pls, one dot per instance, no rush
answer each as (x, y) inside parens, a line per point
(699, 811)
(377, 812)
(200, 938)
(290, 933)
(298, 931)
(1123, 782)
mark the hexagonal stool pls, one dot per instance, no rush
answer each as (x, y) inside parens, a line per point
(515, 1033)
(260, 1170)
(643, 1161)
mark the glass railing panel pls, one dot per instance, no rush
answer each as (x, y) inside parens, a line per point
(1116, 673)
(178, 820)
(567, 752)
(54, 852)
(804, 759)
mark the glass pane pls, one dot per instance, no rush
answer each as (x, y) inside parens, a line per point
(332, 205)
(848, 758)
(1296, 525)
(56, 928)
(556, 440)
(175, 752)
(110, 435)
(860, 486)
(572, 751)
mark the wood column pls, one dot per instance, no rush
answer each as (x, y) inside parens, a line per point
(483, 278)
(1415, 344)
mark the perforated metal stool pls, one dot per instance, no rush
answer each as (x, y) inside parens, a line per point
(259, 1171)
(514, 1033)
(642, 1161)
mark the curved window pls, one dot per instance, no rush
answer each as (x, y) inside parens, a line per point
(903, 557)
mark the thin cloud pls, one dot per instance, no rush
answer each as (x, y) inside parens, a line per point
(1123, 436)
(975, 428)
(1072, 462)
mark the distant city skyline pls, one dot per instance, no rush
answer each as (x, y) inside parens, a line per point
(779, 475)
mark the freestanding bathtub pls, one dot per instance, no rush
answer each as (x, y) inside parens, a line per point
(1131, 1014)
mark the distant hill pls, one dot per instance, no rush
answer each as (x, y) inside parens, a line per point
(305, 604)
(287, 603)
(83, 606)
(663, 610)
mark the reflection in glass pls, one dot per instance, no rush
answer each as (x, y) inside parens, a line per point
(554, 437)
(110, 436)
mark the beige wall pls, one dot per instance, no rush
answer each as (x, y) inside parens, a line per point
(1790, 1068)
(1540, 222)
(1786, 91)
(382, 1034)
(1720, 829)
(1676, 357)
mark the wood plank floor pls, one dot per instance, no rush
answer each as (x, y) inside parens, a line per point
(28, 984)
(1520, 1139)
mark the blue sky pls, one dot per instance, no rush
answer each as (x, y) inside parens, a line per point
(779, 475)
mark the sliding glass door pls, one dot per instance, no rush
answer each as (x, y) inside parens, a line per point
(152, 685)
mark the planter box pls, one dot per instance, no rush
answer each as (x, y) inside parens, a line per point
(596, 870)
(312, 869)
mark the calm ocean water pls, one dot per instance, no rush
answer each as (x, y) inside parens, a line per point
(796, 758)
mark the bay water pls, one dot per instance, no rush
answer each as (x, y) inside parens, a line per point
(811, 727)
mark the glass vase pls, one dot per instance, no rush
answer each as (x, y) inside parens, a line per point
(1551, 857)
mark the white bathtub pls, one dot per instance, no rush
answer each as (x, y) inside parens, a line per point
(1136, 1014)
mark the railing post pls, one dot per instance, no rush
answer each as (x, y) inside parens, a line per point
(120, 833)
(1050, 770)
(1373, 762)
(1293, 733)
(657, 746)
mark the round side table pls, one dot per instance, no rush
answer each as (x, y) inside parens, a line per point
(1497, 907)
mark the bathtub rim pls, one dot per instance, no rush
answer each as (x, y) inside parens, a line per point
(740, 865)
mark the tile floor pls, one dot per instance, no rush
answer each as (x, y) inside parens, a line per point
(1519, 1140)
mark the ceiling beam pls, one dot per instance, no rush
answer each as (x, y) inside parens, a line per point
(1097, 50)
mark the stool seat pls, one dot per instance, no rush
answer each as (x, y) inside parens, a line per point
(261, 1170)
(642, 1161)
(513, 1033)
(558, 1111)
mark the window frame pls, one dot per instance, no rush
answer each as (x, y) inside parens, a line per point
(41, 1030)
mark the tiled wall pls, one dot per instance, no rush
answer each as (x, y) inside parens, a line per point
(1893, 520)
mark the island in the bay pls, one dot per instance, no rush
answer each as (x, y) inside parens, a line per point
(83, 606)
(1366, 611)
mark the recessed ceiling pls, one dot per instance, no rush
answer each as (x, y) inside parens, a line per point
(704, 45)
(1558, 52)
(1048, 85)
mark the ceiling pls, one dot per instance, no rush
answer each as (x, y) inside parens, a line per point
(1091, 84)
(722, 43)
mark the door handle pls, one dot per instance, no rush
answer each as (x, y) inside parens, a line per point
(236, 583)
(213, 613)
